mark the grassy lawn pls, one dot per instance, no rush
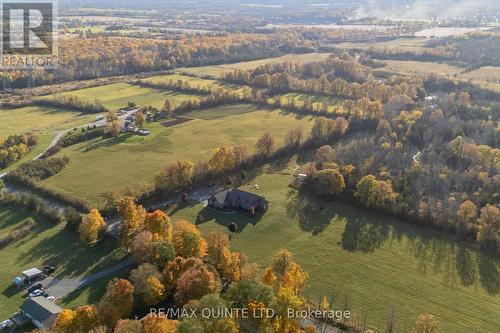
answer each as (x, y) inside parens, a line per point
(218, 70)
(47, 244)
(115, 96)
(34, 118)
(98, 166)
(377, 262)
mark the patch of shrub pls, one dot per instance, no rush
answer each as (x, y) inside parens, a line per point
(19, 233)
(42, 169)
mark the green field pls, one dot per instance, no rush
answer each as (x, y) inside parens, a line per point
(116, 96)
(47, 244)
(42, 120)
(379, 263)
(34, 118)
(96, 167)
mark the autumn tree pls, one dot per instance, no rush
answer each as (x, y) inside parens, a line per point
(322, 129)
(294, 137)
(195, 283)
(159, 324)
(265, 145)
(187, 240)
(426, 323)
(90, 226)
(159, 224)
(65, 321)
(466, 216)
(220, 256)
(148, 286)
(325, 154)
(117, 302)
(489, 227)
(328, 182)
(139, 119)
(284, 272)
(281, 262)
(374, 193)
(245, 292)
(132, 216)
(216, 304)
(286, 301)
(175, 176)
(223, 159)
(128, 326)
(86, 318)
(169, 107)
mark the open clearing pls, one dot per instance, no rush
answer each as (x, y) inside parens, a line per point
(49, 243)
(114, 165)
(217, 71)
(116, 96)
(375, 261)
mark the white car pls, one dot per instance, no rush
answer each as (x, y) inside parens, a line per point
(4, 325)
(51, 298)
(36, 293)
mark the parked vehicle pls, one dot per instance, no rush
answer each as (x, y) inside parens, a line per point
(36, 293)
(5, 325)
(49, 269)
(50, 298)
(35, 287)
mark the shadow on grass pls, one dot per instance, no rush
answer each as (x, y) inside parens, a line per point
(95, 290)
(367, 232)
(240, 218)
(11, 290)
(102, 143)
(72, 258)
(314, 216)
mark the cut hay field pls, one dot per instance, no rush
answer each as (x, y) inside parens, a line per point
(218, 70)
(49, 243)
(377, 262)
(117, 95)
(103, 166)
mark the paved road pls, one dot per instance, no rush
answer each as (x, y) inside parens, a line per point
(63, 287)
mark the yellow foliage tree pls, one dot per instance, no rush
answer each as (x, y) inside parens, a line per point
(187, 240)
(90, 226)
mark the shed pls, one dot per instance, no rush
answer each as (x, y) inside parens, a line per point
(42, 312)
